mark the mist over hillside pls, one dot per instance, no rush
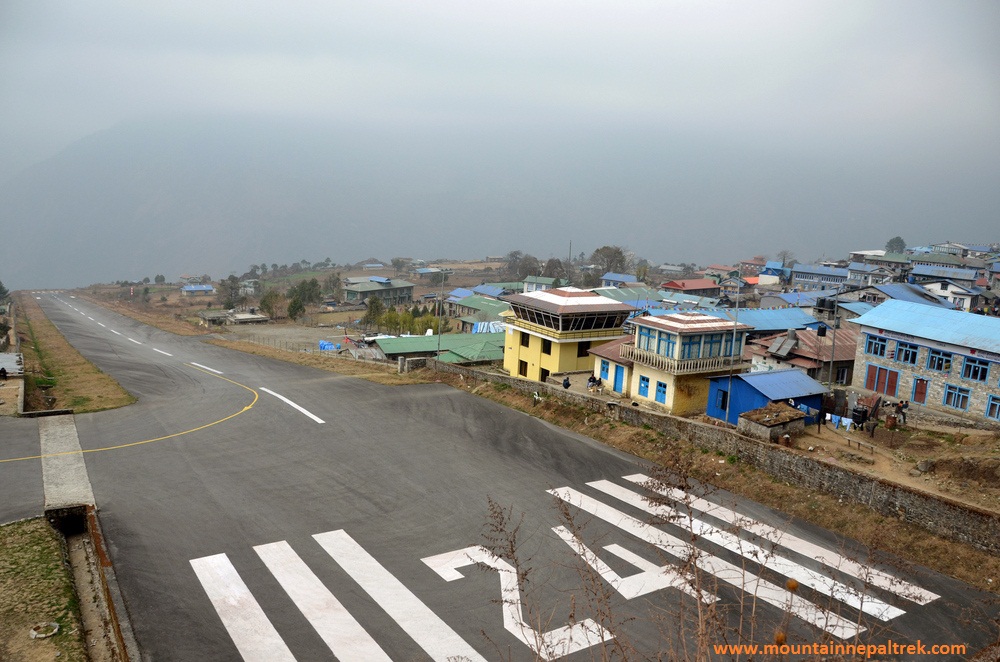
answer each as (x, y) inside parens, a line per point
(215, 194)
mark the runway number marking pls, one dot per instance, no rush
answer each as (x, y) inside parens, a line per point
(256, 638)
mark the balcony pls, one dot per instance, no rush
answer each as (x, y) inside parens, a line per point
(682, 366)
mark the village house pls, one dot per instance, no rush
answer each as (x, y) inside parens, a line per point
(673, 356)
(933, 357)
(699, 287)
(392, 292)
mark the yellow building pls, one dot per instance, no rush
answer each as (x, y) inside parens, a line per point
(673, 356)
(552, 331)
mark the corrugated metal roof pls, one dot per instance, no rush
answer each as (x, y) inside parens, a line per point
(424, 344)
(197, 288)
(689, 299)
(690, 284)
(619, 278)
(474, 352)
(954, 327)
(372, 286)
(765, 319)
(943, 272)
(799, 298)
(540, 280)
(913, 294)
(611, 350)
(783, 384)
(489, 290)
(629, 294)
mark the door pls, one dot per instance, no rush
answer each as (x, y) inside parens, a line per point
(920, 390)
(882, 380)
(619, 378)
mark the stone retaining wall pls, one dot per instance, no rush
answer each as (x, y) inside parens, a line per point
(939, 515)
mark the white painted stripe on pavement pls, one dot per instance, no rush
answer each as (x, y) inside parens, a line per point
(432, 634)
(90, 318)
(866, 573)
(334, 624)
(205, 367)
(99, 324)
(162, 352)
(115, 332)
(293, 405)
(135, 341)
(759, 589)
(769, 558)
(252, 632)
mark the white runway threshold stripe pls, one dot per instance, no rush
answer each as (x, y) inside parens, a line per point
(739, 577)
(854, 568)
(331, 620)
(293, 405)
(251, 631)
(205, 367)
(431, 633)
(162, 352)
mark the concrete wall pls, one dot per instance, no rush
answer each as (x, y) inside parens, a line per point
(939, 515)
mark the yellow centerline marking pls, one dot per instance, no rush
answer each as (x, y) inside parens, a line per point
(149, 441)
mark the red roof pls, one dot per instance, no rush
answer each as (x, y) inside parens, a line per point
(688, 285)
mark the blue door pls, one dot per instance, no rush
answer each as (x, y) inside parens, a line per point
(619, 378)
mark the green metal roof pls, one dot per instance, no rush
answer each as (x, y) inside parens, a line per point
(453, 342)
(485, 304)
(476, 352)
(513, 286)
(541, 280)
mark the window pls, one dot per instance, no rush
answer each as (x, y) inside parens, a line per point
(644, 386)
(690, 347)
(729, 344)
(522, 368)
(661, 393)
(841, 375)
(993, 408)
(713, 345)
(938, 360)
(604, 368)
(722, 399)
(875, 346)
(956, 397)
(582, 348)
(525, 339)
(976, 370)
(645, 338)
(546, 346)
(906, 353)
(666, 344)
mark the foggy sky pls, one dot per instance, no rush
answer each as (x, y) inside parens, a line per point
(820, 127)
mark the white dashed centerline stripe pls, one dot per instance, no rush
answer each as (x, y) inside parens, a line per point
(252, 632)
(91, 318)
(292, 404)
(99, 324)
(135, 341)
(162, 352)
(205, 367)
(341, 632)
(432, 634)
(115, 332)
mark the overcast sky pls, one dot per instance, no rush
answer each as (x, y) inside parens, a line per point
(907, 90)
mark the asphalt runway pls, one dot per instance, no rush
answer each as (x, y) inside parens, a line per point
(260, 510)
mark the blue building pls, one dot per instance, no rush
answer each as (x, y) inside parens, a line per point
(749, 391)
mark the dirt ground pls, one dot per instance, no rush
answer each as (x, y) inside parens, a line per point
(35, 587)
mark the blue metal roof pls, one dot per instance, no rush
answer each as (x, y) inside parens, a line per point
(954, 327)
(802, 298)
(198, 288)
(765, 319)
(913, 294)
(379, 279)
(428, 270)
(619, 278)
(489, 290)
(943, 272)
(458, 294)
(783, 384)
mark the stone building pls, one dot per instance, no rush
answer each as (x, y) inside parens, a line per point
(941, 359)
